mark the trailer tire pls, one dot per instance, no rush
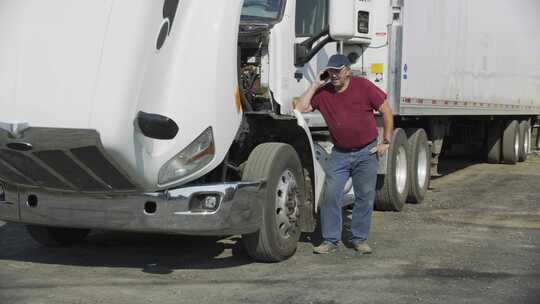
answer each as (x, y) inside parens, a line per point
(419, 168)
(510, 143)
(493, 144)
(524, 140)
(278, 236)
(393, 188)
(57, 236)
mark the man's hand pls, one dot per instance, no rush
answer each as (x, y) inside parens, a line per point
(388, 124)
(380, 149)
(303, 104)
(318, 81)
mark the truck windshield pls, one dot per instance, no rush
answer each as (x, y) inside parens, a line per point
(262, 10)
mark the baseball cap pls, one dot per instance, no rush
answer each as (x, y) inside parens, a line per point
(338, 61)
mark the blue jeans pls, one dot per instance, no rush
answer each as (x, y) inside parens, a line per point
(362, 167)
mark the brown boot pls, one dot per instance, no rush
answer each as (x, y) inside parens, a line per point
(324, 248)
(362, 247)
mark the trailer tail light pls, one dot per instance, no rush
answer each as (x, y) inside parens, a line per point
(363, 22)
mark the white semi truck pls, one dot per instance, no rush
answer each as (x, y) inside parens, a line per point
(176, 116)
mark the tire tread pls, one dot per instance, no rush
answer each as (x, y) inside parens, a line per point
(508, 153)
(259, 164)
(385, 198)
(418, 137)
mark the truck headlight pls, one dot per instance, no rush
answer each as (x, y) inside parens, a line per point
(194, 157)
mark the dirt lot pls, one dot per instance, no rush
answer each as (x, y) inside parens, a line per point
(476, 239)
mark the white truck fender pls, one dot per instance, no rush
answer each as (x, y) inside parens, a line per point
(318, 170)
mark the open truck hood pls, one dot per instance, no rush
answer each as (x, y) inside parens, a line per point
(50, 58)
(95, 64)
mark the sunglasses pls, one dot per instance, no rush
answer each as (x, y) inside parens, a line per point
(335, 71)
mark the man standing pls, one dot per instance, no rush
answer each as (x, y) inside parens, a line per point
(347, 104)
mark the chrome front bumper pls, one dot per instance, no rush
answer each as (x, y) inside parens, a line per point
(239, 210)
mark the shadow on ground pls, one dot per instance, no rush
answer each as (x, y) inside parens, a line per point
(451, 164)
(158, 254)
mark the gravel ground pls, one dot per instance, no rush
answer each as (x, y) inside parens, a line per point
(476, 239)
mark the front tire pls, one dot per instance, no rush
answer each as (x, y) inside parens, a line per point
(57, 236)
(280, 166)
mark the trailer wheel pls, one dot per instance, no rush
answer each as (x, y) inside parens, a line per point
(510, 143)
(57, 236)
(278, 236)
(392, 188)
(419, 165)
(525, 140)
(493, 144)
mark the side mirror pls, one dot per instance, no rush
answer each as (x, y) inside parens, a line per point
(342, 19)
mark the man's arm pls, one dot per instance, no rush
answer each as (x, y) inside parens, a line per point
(388, 120)
(304, 102)
(388, 125)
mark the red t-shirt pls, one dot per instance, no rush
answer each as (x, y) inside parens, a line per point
(349, 114)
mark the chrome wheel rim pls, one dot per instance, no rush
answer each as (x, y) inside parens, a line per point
(516, 145)
(286, 210)
(527, 142)
(422, 166)
(401, 169)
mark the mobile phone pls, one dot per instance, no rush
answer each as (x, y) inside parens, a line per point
(325, 76)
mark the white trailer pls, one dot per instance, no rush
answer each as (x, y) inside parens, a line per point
(176, 116)
(463, 71)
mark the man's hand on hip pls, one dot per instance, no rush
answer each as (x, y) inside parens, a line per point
(380, 149)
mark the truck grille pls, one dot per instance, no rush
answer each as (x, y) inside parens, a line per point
(59, 162)
(28, 167)
(96, 162)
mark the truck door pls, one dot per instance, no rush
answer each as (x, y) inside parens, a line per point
(311, 18)
(302, 20)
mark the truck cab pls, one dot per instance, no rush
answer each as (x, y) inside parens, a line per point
(172, 116)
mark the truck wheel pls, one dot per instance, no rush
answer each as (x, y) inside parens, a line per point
(510, 143)
(419, 165)
(56, 236)
(525, 140)
(278, 236)
(392, 188)
(493, 144)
